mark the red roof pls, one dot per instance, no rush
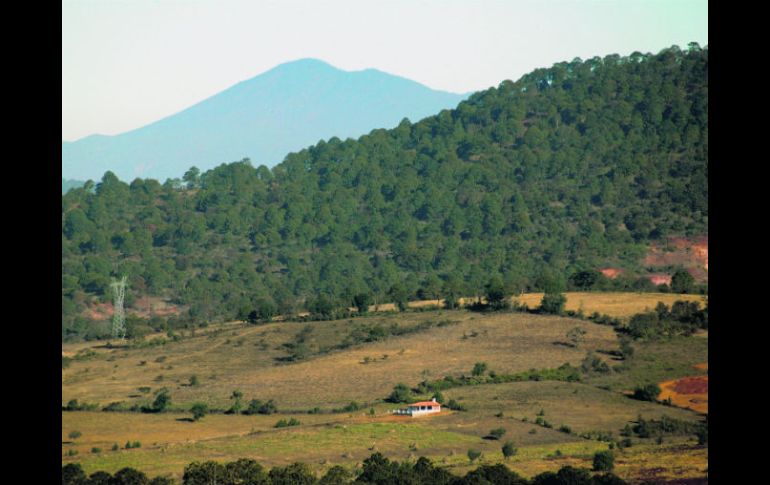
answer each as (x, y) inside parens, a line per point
(426, 403)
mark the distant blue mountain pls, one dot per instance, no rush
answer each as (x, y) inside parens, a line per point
(264, 118)
(66, 185)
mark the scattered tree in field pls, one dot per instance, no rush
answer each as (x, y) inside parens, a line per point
(473, 455)
(649, 392)
(258, 407)
(497, 433)
(401, 393)
(553, 303)
(194, 381)
(509, 450)
(682, 281)
(199, 410)
(75, 435)
(604, 461)
(479, 368)
(162, 401)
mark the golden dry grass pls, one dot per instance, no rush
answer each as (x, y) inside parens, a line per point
(507, 342)
(680, 396)
(236, 356)
(618, 305)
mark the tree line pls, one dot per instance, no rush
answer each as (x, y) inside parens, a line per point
(376, 470)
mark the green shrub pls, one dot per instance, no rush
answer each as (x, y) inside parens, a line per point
(479, 368)
(649, 392)
(401, 394)
(497, 433)
(553, 303)
(604, 461)
(96, 450)
(473, 455)
(199, 410)
(509, 450)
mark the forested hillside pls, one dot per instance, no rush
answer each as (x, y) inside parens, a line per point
(573, 167)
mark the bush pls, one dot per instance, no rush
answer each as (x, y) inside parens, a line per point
(703, 435)
(682, 281)
(473, 455)
(650, 392)
(497, 433)
(75, 435)
(283, 423)
(258, 407)
(553, 303)
(199, 410)
(72, 474)
(509, 450)
(479, 368)
(456, 406)
(401, 394)
(162, 401)
(604, 461)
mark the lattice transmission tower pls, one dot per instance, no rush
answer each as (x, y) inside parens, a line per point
(118, 315)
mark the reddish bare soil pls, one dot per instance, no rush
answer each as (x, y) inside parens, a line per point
(691, 253)
(660, 279)
(144, 307)
(692, 385)
(611, 273)
(688, 392)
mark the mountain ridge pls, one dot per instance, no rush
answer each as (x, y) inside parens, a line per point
(262, 118)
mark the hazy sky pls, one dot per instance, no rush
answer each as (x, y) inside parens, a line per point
(129, 63)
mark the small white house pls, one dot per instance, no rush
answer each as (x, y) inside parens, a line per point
(420, 408)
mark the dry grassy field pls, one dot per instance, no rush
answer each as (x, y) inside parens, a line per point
(507, 342)
(252, 359)
(619, 305)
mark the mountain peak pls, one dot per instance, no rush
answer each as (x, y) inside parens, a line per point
(285, 109)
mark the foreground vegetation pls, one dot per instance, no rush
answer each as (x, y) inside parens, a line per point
(555, 396)
(376, 469)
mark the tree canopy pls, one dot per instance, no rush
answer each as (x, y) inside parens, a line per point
(572, 167)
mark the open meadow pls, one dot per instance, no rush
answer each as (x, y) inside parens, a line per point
(313, 369)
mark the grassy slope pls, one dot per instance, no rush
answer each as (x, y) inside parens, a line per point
(507, 342)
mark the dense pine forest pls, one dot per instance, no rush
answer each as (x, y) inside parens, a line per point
(575, 167)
